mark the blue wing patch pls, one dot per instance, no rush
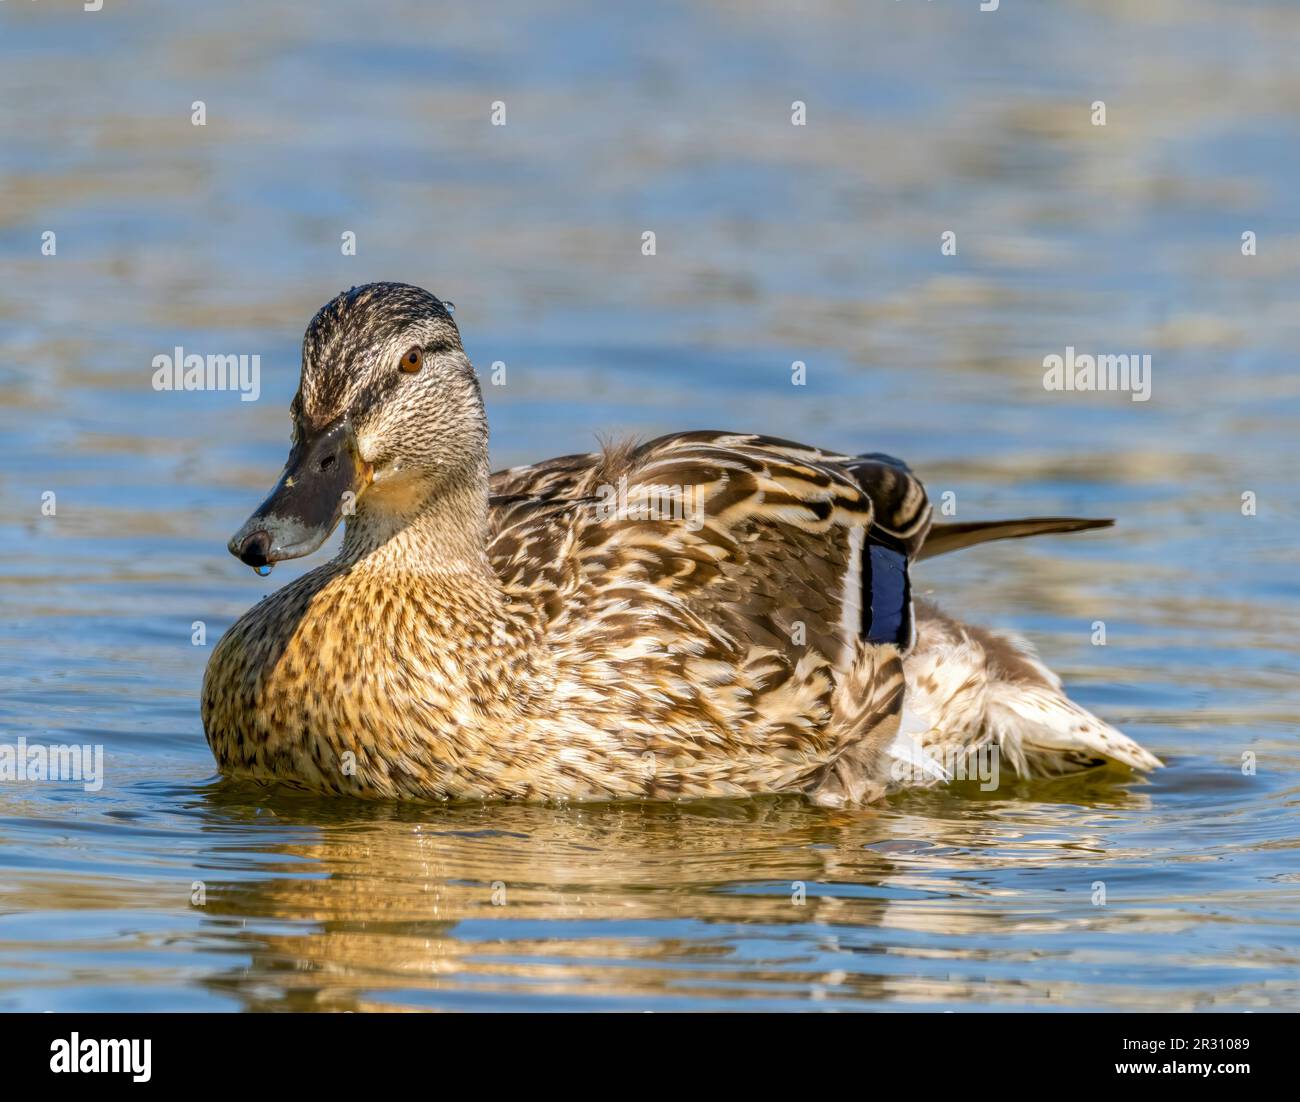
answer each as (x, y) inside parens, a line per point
(886, 596)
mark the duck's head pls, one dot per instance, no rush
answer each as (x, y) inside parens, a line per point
(388, 407)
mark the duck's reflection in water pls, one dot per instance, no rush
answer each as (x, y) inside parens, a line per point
(351, 906)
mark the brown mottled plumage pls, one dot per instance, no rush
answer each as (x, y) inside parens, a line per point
(708, 614)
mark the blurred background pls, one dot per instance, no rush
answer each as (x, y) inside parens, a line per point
(774, 243)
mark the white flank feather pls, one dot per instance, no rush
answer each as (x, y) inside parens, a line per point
(904, 748)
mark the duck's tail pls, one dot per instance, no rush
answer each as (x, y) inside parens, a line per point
(1041, 732)
(969, 689)
(945, 537)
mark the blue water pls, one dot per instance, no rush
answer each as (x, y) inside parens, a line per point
(775, 243)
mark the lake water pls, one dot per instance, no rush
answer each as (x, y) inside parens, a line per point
(774, 243)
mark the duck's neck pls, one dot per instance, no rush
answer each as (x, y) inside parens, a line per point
(410, 530)
(418, 564)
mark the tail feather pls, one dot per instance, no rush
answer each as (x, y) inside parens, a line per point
(943, 538)
(968, 687)
(1043, 733)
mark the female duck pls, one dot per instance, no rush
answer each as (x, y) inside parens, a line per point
(709, 614)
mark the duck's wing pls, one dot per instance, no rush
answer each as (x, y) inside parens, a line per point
(551, 478)
(755, 529)
(740, 576)
(953, 536)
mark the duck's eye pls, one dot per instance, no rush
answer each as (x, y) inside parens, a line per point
(412, 361)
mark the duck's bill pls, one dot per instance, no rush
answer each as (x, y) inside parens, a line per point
(321, 481)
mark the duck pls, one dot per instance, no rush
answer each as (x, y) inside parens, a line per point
(708, 614)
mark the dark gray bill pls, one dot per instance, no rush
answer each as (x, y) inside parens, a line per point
(307, 503)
